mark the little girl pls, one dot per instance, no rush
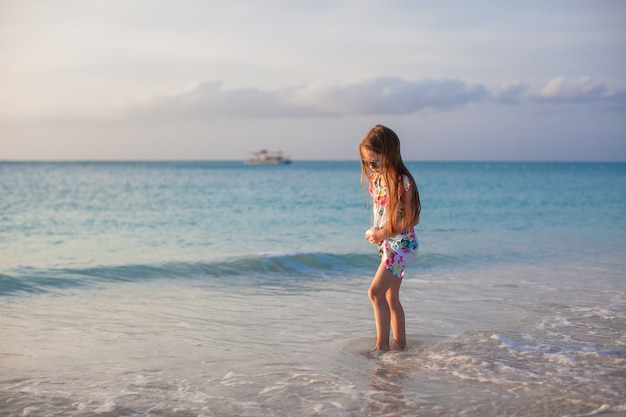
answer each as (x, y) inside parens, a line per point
(397, 209)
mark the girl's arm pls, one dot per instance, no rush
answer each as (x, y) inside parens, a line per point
(407, 200)
(378, 234)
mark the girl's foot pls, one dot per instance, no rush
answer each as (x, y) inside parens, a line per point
(373, 354)
(377, 353)
(398, 346)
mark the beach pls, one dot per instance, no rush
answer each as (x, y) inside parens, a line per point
(218, 289)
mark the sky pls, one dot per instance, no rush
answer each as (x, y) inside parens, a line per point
(211, 80)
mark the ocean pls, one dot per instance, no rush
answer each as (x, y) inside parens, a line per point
(221, 289)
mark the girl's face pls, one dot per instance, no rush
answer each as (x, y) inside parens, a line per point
(371, 159)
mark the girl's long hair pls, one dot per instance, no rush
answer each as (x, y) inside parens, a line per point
(384, 141)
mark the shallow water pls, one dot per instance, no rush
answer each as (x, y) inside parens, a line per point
(128, 317)
(167, 348)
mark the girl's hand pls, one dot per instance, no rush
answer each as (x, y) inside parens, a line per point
(375, 235)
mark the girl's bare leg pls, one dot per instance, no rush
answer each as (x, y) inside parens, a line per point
(397, 315)
(384, 295)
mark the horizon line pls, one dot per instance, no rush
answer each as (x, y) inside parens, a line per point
(106, 160)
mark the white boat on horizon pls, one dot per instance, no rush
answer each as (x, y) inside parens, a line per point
(265, 157)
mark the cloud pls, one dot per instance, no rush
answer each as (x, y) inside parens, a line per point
(379, 96)
(512, 93)
(393, 96)
(584, 89)
(209, 99)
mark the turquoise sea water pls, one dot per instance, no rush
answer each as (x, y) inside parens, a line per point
(215, 288)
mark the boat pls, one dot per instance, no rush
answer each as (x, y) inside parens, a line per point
(265, 157)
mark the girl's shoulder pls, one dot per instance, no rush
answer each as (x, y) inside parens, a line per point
(406, 183)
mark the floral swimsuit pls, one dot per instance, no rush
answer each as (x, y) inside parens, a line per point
(397, 251)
